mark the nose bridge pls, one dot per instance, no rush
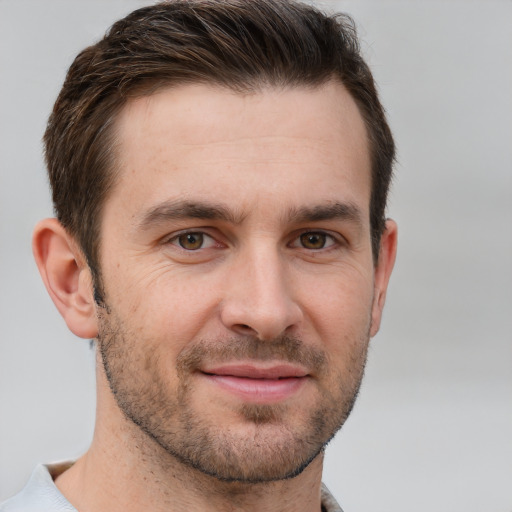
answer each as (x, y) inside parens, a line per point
(259, 299)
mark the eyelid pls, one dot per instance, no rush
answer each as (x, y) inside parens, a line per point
(173, 239)
(336, 238)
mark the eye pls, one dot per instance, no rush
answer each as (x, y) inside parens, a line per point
(314, 240)
(193, 241)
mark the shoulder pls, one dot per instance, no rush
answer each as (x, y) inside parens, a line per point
(39, 495)
(329, 504)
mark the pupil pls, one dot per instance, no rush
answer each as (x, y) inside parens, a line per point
(191, 240)
(313, 240)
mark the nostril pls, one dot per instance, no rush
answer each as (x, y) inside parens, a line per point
(244, 329)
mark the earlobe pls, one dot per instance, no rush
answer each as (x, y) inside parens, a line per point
(383, 269)
(66, 276)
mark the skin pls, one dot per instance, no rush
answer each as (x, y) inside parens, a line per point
(237, 234)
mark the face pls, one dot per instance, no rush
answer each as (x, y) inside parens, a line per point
(238, 275)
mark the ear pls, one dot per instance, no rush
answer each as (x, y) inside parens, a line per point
(387, 254)
(66, 276)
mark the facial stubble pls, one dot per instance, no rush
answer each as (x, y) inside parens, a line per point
(265, 445)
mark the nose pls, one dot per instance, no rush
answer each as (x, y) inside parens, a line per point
(258, 298)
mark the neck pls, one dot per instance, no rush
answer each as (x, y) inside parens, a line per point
(125, 470)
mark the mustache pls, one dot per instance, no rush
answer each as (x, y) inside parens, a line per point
(288, 349)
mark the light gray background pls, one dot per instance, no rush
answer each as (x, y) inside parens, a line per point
(433, 426)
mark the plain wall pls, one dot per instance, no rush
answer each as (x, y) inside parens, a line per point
(432, 429)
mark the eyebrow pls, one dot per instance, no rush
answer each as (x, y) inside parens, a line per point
(333, 211)
(178, 210)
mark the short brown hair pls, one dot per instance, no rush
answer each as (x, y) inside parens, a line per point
(239, 44)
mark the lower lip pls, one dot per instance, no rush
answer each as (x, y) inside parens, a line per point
(260, 391)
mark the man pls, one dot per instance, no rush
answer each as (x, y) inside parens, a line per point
(219, 172)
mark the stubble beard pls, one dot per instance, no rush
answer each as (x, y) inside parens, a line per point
(268, 448)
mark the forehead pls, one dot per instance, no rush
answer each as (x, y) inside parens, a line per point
(280, 144)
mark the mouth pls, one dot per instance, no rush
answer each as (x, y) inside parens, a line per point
(258, 384)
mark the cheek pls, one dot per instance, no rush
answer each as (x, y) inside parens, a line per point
(163, 307)
(340, 313)
(339, 298)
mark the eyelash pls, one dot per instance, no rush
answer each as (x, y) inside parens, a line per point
(329, 240)
(175, 240)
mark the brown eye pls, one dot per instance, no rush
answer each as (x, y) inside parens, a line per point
(191, 241)
(313, 240)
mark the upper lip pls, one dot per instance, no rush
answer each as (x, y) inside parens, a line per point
(254, 371)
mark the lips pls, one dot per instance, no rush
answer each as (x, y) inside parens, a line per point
(250, 371)
(258, 384)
